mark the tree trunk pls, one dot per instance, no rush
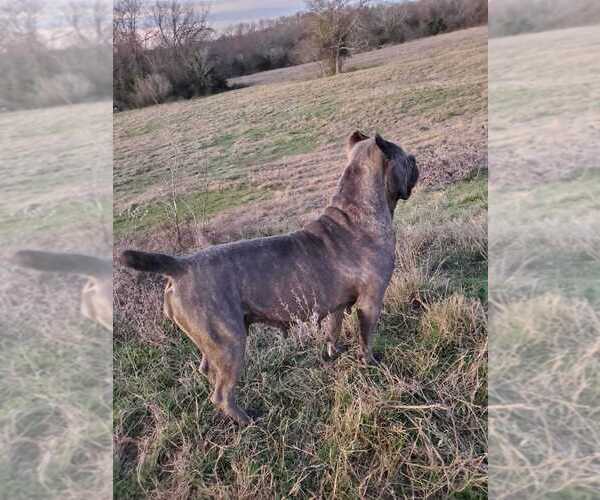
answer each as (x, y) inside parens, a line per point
(338, 62)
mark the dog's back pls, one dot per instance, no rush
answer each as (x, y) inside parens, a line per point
(276, 279)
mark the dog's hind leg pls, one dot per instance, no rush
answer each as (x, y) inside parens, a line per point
(333, 326)
(227, 362)
(196, 338)
(204, 366)
(180, 321)
(368, 312)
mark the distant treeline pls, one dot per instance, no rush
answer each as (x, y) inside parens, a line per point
(165, 50)
(250, 47)
(150, 66)
(47, 67)
(513, 17)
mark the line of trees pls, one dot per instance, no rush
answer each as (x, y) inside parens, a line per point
(154, 64)
(40, 66)
(160, 50)
(331, 30)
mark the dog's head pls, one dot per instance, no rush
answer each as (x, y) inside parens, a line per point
(399, 168)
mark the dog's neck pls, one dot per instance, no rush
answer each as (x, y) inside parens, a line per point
(362, 195)
(392, 201)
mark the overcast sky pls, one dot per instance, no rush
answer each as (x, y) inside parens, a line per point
(226, 12)
(223, 13)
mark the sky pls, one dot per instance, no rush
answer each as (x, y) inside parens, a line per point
(226, 12)
(223, 13)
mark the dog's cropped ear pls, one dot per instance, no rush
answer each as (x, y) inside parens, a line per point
(384, 146)
(355, 137)
(379, 151)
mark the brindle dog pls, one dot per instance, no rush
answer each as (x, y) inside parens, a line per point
(96, 295)
(344, 258)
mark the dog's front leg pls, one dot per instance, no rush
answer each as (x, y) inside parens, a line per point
(368, 314)
(333, 326)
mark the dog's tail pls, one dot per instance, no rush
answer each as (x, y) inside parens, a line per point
(152, 262)
(63, 262)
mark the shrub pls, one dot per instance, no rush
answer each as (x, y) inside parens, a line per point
(151, 89)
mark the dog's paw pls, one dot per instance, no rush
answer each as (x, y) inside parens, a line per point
(238, 416)
(333, 352)
(374, 359)
(254, 415)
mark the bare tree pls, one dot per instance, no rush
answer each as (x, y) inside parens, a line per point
(180, 26)
(180, 34)
(390, 22)
(333, 24)
(89, 21)
(128, 47)
(19, 22)
(126, 21)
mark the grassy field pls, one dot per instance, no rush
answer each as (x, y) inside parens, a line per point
(56, 174)
(417, 425)
(544, 273)
(56, 366)
(262, 160)
(281, 143)
(544, 87)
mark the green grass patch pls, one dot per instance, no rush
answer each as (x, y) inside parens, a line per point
(458, 201)
(468, 272)
(52, 383)
(294, 127)
(47, 219)
(190, 207)
(146, 128)
(549, 234)
(470, 195)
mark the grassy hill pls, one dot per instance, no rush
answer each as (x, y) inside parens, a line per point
(281, 143)
(262, 160)
(56, 175)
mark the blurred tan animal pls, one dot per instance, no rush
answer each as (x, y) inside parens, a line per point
(344, 258)
(96, 295)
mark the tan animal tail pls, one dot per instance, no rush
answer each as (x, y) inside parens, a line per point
(63, 262)
(152, 262)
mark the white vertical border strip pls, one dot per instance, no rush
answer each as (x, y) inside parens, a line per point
(544, 267)
(55, 196)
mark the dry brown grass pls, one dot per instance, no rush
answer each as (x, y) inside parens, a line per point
(543, 430)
